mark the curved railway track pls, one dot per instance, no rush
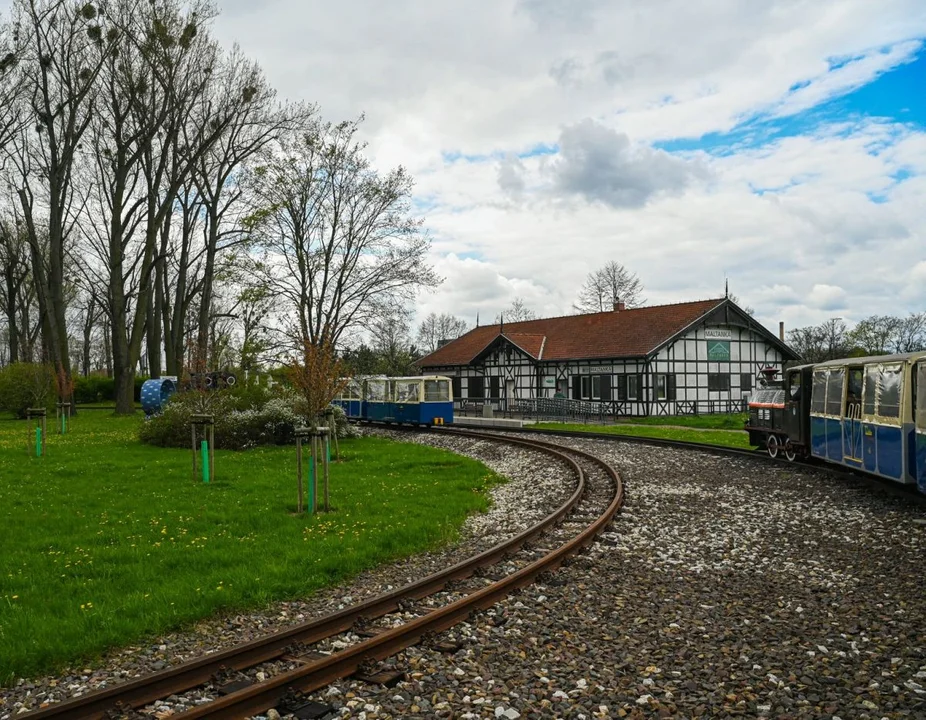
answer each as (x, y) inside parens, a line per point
(597, 497)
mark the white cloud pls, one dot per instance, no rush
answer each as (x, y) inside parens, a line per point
(832, 230)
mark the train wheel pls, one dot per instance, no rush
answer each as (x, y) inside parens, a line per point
(772, 446)
(790, 452)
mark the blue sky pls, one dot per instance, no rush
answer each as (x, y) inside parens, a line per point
(897, 95)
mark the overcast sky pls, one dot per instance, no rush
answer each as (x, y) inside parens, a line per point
(781, 144)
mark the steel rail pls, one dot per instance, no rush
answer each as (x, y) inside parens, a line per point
(141, 691)
(319, 673)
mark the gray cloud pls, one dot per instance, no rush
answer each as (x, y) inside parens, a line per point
(511, 175)
(600, 164)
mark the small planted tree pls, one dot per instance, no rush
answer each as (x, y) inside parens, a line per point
(318, 376)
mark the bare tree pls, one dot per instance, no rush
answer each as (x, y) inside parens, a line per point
(254, 123)
(610, 283)
(336, 240)
(436, 329)
(827, 341)
(392, 342)
(16, 274)
(63, 47)
(516, 312)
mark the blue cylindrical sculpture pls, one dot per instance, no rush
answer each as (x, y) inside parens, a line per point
(155, 393)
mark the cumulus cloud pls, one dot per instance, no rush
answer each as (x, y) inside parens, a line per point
(600, 164)
(827, 297)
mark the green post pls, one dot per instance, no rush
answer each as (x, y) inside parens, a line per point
(204, 452)
(38, 441)
(63, 423)
(312, 465)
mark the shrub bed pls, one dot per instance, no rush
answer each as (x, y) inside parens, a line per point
(244, 418)
(26, 385)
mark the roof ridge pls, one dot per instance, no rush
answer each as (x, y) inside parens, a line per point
(606, 312)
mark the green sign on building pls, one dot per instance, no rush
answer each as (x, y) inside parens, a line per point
(718, 350)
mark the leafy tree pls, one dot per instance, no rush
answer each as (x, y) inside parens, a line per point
(911, 333)
(610, 283)
(436, 329)
(875, 335)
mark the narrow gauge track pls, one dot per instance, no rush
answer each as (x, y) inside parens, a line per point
(315, 670)
(808, 463)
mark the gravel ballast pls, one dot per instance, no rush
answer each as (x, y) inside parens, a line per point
(728, 587)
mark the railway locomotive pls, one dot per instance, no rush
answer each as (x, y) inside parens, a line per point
(422, 400)
(866, 413)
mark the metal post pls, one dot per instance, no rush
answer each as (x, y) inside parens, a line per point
(313, 473)
(327, 462)
(193, 445)
(299, 472)
(212, 451)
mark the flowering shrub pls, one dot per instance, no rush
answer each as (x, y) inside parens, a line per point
(239, 424)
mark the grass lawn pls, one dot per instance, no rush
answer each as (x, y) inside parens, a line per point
(105, 540)
(734, 439)
(733, 421)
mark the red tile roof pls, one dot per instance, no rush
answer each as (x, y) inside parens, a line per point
(614, 334)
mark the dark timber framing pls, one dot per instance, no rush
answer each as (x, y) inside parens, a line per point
(677, 376)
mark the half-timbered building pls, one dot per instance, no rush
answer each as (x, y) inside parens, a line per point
(704, 356)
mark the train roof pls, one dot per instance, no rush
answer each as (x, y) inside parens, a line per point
(865, 360)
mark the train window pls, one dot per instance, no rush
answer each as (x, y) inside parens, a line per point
(818, 400)
(920, 398)
(891, 381)
(870, 391)
(406, 392)
(436, 390)
(794, 383)
(834, 384)
(854, 387)
(376, 390)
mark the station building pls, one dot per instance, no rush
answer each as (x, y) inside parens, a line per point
(686, 358)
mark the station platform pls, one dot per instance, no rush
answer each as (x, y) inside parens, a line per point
(491, 422)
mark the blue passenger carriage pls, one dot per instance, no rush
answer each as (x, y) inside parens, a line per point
(423, 400)
(350, 399)
(868, 413)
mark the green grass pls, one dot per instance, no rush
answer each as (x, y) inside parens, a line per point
(106, 541)
(733, 421)
(734, 439)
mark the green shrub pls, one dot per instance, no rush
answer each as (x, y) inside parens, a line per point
(243, 418)
(26, 385)
(94, 389)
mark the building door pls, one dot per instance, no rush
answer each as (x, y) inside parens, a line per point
(509, 394)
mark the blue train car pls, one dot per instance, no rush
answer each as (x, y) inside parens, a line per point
(423, 400)
(350, 399)
(869, 414)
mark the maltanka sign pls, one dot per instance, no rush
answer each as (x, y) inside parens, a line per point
(718, 344)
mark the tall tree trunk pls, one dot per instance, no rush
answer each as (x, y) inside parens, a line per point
(205, 299)
(154, 326)
(107, 347)
(11, 293)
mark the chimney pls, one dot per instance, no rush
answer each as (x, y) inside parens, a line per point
(781, 331)
(618, 305)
